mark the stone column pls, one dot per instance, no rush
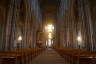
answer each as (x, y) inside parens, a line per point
(89, 22)
(13, 15)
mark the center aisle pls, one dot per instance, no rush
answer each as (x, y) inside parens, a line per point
(48, 57)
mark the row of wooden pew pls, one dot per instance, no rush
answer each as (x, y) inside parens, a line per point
(75, 56)
(21, 56)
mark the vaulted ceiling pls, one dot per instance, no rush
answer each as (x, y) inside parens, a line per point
(49, 9)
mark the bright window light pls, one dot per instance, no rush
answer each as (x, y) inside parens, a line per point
(49, 28)
(49, 43)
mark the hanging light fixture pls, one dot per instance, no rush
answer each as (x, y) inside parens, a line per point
(49, 35)
(19, 38)
(79, 38)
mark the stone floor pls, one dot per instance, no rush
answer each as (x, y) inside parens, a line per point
(48, 57)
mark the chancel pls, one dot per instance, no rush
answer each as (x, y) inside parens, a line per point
(47, 31)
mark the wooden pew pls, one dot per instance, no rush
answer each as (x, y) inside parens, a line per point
(22, 56)
(75, 56)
